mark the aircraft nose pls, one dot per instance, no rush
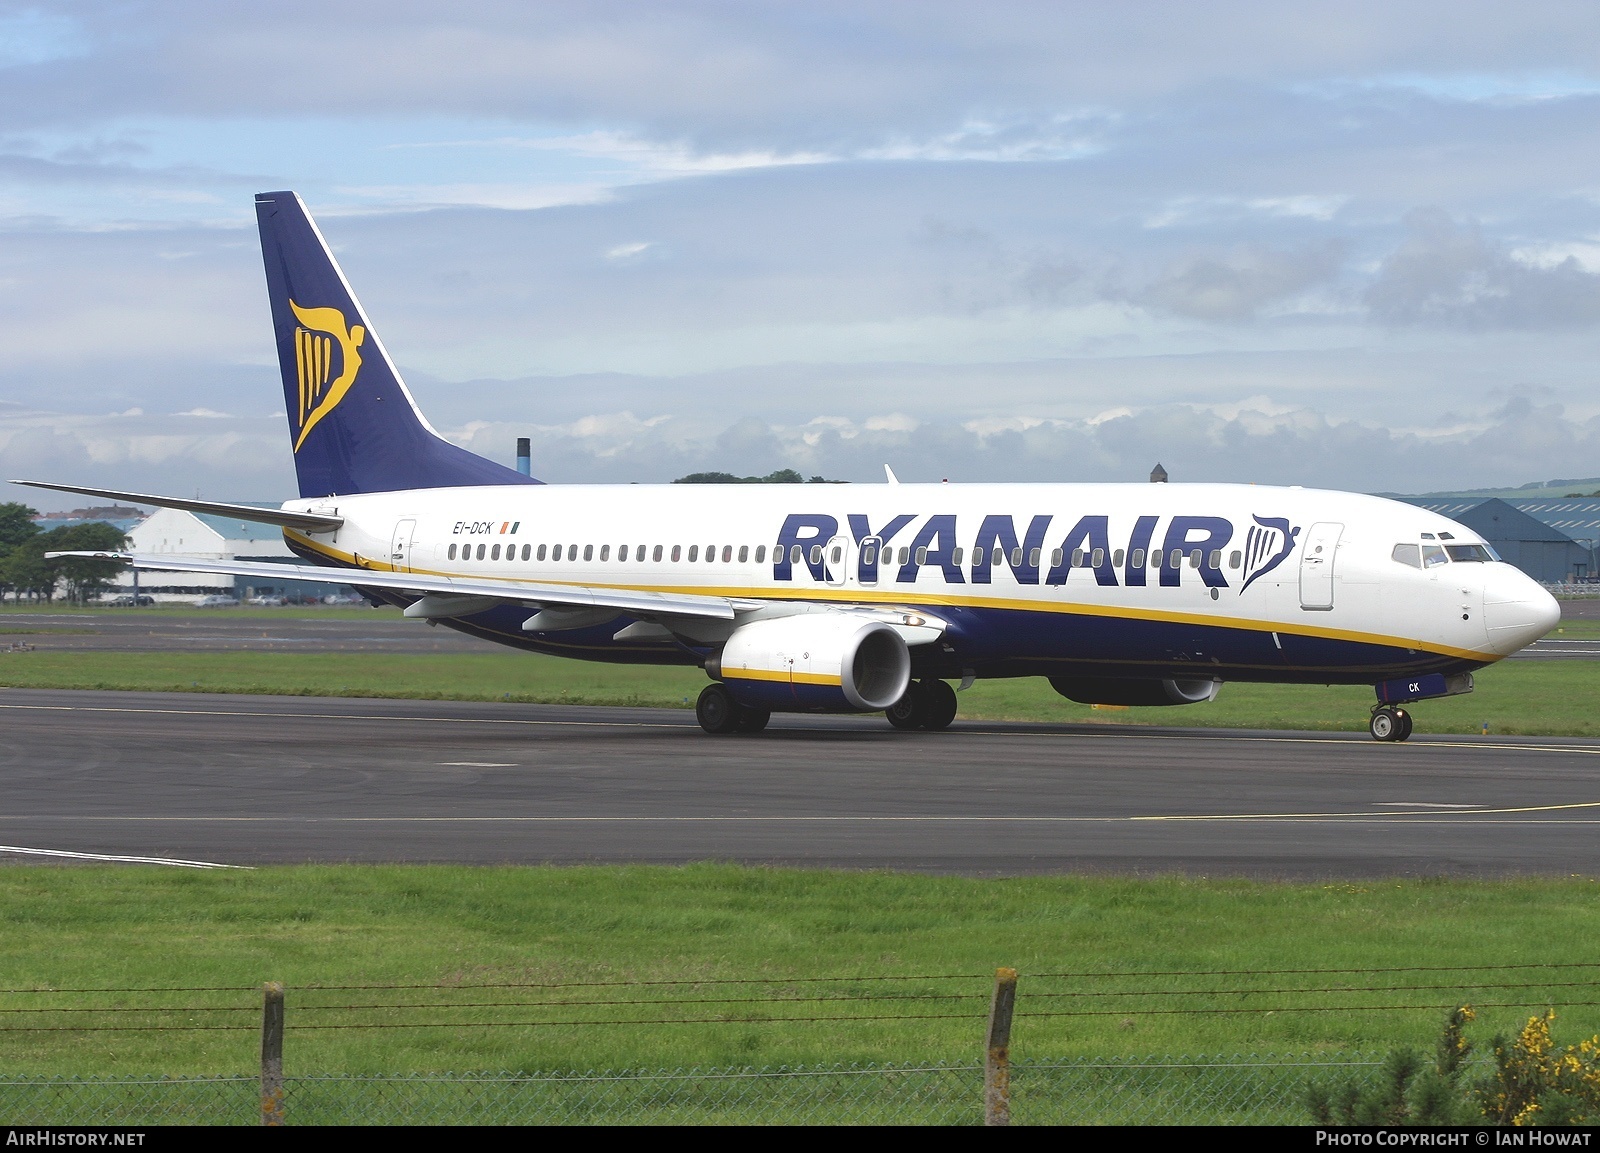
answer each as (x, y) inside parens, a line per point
(1516, 610)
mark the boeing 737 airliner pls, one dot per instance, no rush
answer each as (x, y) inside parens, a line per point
(855, 598)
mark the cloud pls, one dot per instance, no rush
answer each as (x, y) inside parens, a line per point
(1237, 285)
(1449, 274)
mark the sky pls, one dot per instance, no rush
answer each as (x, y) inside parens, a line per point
(1347, 245)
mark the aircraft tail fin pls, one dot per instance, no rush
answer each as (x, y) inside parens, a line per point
(352, 422)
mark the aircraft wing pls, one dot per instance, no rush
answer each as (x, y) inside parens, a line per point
(306, 521)
(511, 591)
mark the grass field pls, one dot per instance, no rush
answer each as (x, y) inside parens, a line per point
(101, 927)
(1519, 697)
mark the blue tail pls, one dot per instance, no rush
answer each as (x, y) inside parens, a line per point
(352, 422)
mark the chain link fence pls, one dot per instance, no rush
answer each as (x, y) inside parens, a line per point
(1255, 1089)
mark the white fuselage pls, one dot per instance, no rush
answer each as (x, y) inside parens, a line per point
(1246, 582)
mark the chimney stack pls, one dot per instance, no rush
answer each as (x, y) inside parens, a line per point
(524, 456)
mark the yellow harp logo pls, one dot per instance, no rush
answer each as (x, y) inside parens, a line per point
(321, 329)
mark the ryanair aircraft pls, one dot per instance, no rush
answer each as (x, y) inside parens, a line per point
(858, 598)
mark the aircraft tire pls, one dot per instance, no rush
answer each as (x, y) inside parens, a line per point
(938, 704)
(1386, 724)
(1405, 725)
(910, 711)
(716, 711)
(753, 720)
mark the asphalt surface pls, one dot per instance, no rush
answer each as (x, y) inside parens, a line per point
(253, 780)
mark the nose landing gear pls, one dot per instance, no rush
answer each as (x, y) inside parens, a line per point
(1389, 723)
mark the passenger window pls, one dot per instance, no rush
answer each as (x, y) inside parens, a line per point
(1214, 561)
(1033, 557)
(744, 553)
(816, 554)
(1433, 556)
(1155, 558)
(1077, 558)
(694, 553)
(588, 552)
(727, 554)
(677, 551)
(977, 557)
(796, 555)
(656, 556)
(761, 553)
(605, 552)
(480, 552)
(711, 554)
(1055, 558)
(1116, 559)
(1234, 558)
(1137, 560)
(955, 557)
(452, 552)
(1098, 559)
(922, 556)
(905, 555)
(540, 554)
(527, 551)
(1407, 554)
(572, 552)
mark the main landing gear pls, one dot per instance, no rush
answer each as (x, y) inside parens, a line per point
(1389, 723)
(929, 704)
(719, 713)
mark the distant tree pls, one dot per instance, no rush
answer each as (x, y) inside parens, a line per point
(16, 525)
(85, 578)
(24, 571)
(780, 476)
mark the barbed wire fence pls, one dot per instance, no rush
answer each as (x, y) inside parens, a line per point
(991, 1088)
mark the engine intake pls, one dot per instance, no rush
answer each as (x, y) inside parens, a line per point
(1088, 691)
(815, 662)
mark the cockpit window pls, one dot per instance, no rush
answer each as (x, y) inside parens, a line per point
(1471, 552)
(1433, 556)
(1408, 554)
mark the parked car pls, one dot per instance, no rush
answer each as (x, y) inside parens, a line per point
(127, 601)
(217, 602)
(268, 599)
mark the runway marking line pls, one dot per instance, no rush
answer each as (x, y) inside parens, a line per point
(118, 859)
(478, 764)
(1206, 734)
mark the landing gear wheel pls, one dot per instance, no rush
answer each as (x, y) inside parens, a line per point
(753, 720)
(938, 705)
(1405, 725)
(716, 710)
(909, 711)
(1387, 724)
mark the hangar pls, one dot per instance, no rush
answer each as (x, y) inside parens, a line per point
(1552, 539)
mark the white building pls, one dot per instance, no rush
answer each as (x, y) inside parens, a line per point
(177, 533)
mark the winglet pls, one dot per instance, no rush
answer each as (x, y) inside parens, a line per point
(889, 473)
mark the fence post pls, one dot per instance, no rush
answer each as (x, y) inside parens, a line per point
(272, 1053)
(997, 1058)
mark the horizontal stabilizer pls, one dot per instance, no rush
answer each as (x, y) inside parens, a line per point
(505, 591)
(306, 521)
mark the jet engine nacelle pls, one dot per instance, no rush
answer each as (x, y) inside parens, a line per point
(1120, 692)
(829, 662)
